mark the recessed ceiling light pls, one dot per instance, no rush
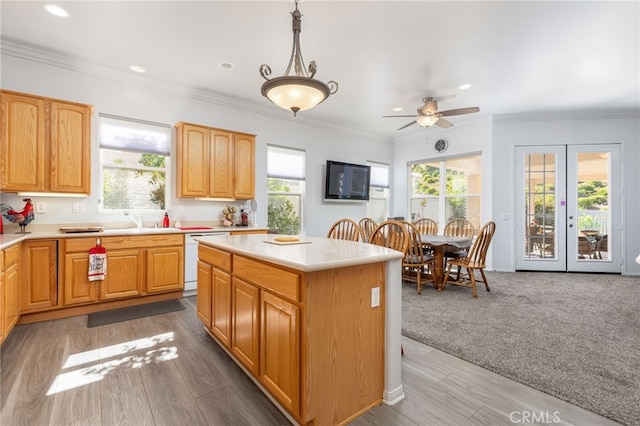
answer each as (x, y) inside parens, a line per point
(397, 109)
(226, 66)
(137, 68)
(56, 10)
(464, 86)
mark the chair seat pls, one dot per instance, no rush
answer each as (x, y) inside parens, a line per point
(415, 259)
(457, 253)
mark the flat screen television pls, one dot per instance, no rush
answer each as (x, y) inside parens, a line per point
(347, 181)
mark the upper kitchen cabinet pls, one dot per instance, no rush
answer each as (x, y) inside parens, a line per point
(214, 163)
(46, 144)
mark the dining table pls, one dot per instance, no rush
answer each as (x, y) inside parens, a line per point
(439, 244)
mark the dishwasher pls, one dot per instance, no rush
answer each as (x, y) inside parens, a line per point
(191, 259)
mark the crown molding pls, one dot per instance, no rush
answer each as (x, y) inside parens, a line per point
(568, 115)
(29, 52)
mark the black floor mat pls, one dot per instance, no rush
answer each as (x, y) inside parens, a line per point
(133, 312)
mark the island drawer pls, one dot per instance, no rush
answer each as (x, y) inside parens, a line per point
(280, 281)
(218, 258)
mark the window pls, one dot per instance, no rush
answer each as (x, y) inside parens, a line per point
(134, 159)
(377, 207)
(285, 189)
(446, 190)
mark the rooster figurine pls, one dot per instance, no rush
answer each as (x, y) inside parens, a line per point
(22, 218)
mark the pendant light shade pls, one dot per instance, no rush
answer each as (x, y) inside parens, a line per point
(301, 91)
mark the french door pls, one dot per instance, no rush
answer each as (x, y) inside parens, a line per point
(568, 204)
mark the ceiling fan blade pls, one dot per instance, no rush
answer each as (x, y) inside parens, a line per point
(403, 116)
(458, 111)
(407, 125)
(443, 123)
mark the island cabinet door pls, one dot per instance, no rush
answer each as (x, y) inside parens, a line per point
(221, 307)
(280, 351)
(245, 337)
(203, 297)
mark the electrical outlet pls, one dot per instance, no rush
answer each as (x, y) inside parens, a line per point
(41, 207)
(181, 208)
(79, 208)
(375, 297)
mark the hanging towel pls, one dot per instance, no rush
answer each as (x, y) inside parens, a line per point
(97, 263)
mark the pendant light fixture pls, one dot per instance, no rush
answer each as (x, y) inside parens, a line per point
(300, 91)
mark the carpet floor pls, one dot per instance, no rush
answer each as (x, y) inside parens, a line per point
(133, 312)
(574, 336)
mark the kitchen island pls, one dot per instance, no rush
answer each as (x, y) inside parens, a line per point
(315, 323)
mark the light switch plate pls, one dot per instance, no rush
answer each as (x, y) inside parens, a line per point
(41, 207)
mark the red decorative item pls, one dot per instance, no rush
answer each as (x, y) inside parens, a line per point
(22, 218)
(165, 221)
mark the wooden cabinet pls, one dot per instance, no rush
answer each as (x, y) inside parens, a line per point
(312, 340)
(251, 308)
(165, 269)
(214, 163)
(11, 304)
(136, 266)
(245, 336)
(46, 144)
(214, 302)
(203, 296)
(39, 275)
(280, 350)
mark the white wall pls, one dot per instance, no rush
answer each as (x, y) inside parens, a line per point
(510, 131)
(167, 104)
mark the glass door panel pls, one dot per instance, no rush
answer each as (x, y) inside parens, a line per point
(593, 214)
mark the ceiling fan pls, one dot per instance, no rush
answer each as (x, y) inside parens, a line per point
(429, 115)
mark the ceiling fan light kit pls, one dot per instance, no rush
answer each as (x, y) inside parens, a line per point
(301, 91)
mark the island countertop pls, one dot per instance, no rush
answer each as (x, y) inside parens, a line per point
(308, 255)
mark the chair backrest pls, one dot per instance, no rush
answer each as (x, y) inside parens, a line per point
(367, 226)
(459, 228)
(426, 226)
(414, 252)
(344, 229)
(391, 234)
(478, 251)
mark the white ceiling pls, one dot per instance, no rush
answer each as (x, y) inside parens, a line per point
(520, 57)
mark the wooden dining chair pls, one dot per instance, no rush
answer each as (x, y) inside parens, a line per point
(458, 228)
(417, 265)
(344, 229)
(426, 226)
(391, 234)
(367, 226)
(475, 260)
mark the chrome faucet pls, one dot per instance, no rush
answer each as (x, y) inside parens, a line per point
(135, 218)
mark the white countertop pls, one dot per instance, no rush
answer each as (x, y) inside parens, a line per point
(8, 239)
(314, 254)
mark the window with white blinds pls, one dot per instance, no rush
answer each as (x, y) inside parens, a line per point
(134, 164)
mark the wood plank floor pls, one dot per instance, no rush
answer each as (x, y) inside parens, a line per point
(166, 370)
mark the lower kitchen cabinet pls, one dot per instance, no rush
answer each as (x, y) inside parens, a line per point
(165, 269)
(310, 339)
(10, 303)
(136, 266)
(39, 275)
(280, 350)
(203, 298)
(221, 306)
(245, 313)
